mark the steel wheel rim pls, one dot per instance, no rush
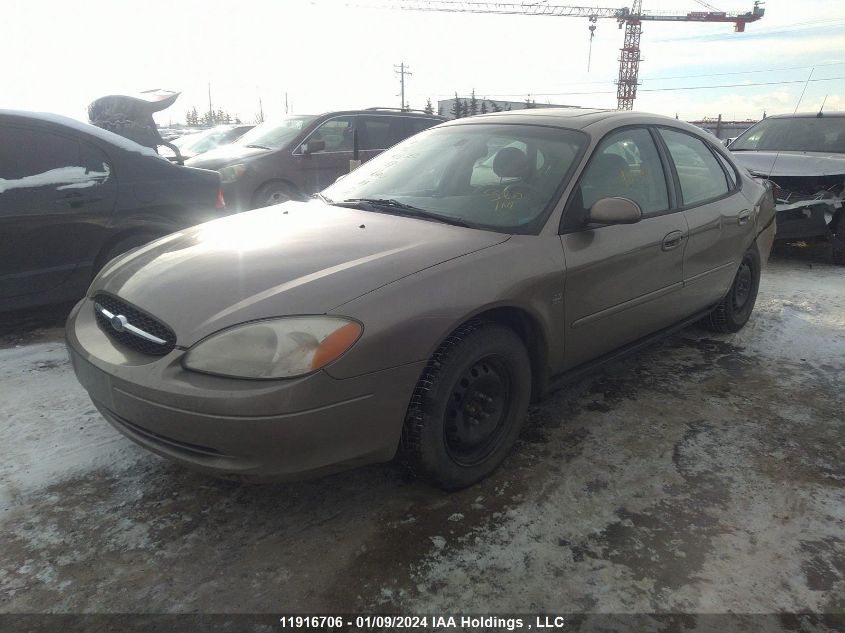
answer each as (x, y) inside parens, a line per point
(742, 284)
(277, 197)
(478, 408)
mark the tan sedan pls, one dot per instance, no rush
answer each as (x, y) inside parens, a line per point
(419, 304)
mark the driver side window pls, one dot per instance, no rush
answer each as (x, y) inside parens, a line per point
(625, 165)
(337, 133)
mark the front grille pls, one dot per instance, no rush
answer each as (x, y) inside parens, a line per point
(140, 320)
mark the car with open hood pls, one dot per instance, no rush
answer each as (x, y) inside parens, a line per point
(803, 155)
(416, 306)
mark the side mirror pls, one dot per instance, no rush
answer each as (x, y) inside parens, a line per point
(314, 145)
(614, 211)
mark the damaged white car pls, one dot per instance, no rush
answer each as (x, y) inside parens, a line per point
(803, 155)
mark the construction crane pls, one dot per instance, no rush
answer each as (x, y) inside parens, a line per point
(632, 18)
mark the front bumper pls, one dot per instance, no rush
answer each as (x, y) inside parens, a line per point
(249, 429)
(806, 221)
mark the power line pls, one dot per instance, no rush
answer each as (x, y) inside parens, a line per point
(606, 92)
(733, 72)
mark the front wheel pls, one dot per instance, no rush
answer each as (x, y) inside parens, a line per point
(468, 407)
(272, 193)
(735, 309)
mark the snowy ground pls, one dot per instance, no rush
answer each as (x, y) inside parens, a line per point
(706, 474)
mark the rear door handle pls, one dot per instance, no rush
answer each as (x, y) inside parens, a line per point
(672, 240)
(743, 216)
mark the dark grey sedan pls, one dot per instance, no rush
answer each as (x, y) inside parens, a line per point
(422, 301)
(73, 196)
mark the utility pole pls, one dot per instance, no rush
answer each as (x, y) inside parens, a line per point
(402, 70)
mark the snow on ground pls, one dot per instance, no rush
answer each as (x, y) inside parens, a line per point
(705, 474)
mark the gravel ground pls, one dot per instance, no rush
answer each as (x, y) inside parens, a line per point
(703, 475)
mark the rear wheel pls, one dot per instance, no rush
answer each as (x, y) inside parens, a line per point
(735, 309)
(273, 193)
(468, 406)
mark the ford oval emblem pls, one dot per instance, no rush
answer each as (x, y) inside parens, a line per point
(118, 322)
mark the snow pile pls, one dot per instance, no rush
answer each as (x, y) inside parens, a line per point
(65, 177)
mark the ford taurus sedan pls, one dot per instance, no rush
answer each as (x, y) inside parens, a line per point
(418, 304)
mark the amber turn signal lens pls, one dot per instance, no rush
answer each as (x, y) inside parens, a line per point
(335, 344)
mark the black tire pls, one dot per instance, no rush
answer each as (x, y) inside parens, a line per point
(122, 246)
(468, 407)
(735, 309)
(272, 193)
(838, 238)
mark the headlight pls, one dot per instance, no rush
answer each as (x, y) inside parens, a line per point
(279, 348)
(232, 173)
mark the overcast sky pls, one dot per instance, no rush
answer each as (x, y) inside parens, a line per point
(330, 54)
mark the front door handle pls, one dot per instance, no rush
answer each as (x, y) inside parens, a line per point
(743, 217)
(672, 240)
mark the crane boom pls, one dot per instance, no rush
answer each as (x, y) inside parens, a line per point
(632, 18)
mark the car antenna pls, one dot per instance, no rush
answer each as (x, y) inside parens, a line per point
(806, 83)
(819, 115)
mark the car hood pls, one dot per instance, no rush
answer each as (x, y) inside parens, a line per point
(294, 258)
(225, 155)
(792, 163)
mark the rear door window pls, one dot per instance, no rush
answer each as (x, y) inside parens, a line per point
(380, 132)
(416, 124)
(699, 172)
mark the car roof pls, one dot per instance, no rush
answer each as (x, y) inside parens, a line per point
(57, 120)
(576, 118)
(807, 115)
(387, 111)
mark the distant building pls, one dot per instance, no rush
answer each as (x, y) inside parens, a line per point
(445, 107)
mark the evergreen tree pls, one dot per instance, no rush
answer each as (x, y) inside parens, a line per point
(496, 107)
(473, 104)
(529, 103)
(484, 106)
(457, 111)
(465, 107)
(429, 109)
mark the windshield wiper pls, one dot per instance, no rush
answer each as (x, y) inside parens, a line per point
(389, 204)
(320, 196)
(259, 146)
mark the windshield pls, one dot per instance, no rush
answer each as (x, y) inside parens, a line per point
(497, 177)
(804, 134)
(275, 134)
(202, 141)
